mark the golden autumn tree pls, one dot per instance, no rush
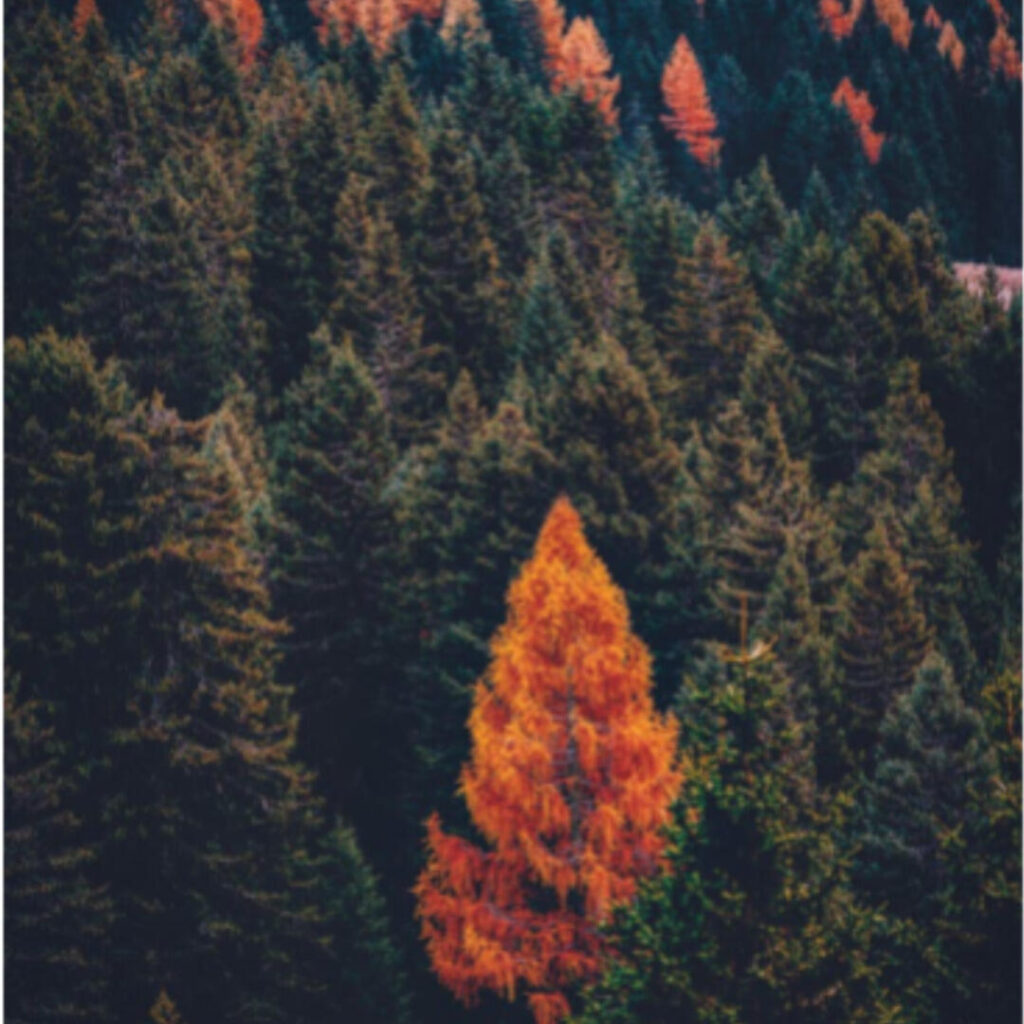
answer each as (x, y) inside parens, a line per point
(950, 46)
(1003, 55)
(839, 20)
(570, 780)
(244, 18)
(85, 12)
(379, 20)
(551, 23)
(862, 113)
(896, 18)
(585, 64)
(686, 96)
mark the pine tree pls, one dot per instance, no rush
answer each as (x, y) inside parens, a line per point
(56, 919)
(457, 265)
(926, 851)
(332, 460)
(882, 639)
(376, 303)
(567, 664)
(625, 475)
(400, 164)
(710, 327)
(280, 265)
(754, 919)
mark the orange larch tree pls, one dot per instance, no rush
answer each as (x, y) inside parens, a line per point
(379, 20)
(1003, 55)
(950, 46)
(585, 64)
(570, 780)
(85, 12)
(242, 17)
(932, 18)
(895, 16)
(551, 23)
(686, 96)
(862, 113)
(840, 21)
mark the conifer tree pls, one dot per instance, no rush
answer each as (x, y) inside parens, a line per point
(882, 639)
(457, 265)
(710, 327)
(280, 269)
(332, 459)
(690, 116)
(400, 163)
(376, 304)
(566, 697)
(584, 64)
(625, 475)
(926, 851)
(56, 919)
(754, 918)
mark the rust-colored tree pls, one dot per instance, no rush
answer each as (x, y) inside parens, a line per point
(551, 23)
(379, 20)
(85, 12)
(686, 96)
(243, 18)
(570, 780)
(950, 46)
(1003, 55)
(933, 19)
(586, 65)
(862, 113)
(896, 18)
(839, 20)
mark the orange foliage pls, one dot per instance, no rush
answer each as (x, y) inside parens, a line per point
(949, 45)
(85, 11)
(461, 16)
(932, 18)
(585, 64)
(999, 12)
(242, 17)
(838, 20)
(577, 58)
(570, 781)
(895, 16)
(691, 118)
(379, 20)
(1003, 55)
(862, 114)
(551, 22)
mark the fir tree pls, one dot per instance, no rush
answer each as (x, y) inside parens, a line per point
(333, 456)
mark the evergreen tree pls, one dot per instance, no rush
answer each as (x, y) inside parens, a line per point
(281, 263)
(396, 156)
(333, 457)
(924, 836)
(625, 476)
(56, 919)
(882, 637)
(709, 328)
(457, 265)
(754, 919)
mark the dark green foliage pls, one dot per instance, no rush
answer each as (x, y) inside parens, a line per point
(332, 460)
(753, 919)
(883, 637)
(927, 850)
(56, 920)
(757, 381)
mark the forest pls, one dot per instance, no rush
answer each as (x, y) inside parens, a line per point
(510, 514)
